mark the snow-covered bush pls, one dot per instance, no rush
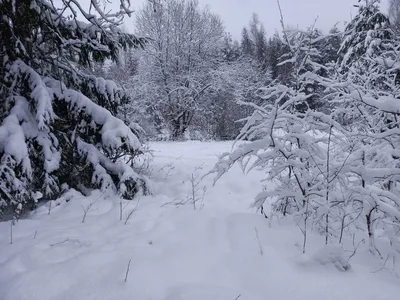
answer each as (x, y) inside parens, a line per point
(294, 143)
(58, 125)
(340, 170)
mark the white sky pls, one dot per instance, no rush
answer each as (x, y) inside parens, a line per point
(302, 13)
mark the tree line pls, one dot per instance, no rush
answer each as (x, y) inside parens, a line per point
(191, 75)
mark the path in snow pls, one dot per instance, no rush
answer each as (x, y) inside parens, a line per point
(176, 253)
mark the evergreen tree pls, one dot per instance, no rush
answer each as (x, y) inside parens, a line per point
(274, 47)
(369, 99)
(259, 40)
(247, 44)
(330, 46)
(254, 42)
(58, 124)
(238, 80)
(364, 35)
(296, 70)
(230, 49)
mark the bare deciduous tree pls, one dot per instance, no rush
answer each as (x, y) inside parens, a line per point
(180, 57)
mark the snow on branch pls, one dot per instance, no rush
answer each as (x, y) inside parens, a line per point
(114, 132)
(39, 92)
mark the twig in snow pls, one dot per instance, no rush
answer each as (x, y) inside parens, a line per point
(85, 211)
(304, 231)
(88, 208)
(240, 295)
(34, 237)
(68, 240)
(127, 270)
(121, 209)
(175, 202)
(383, 266)
(355, 249)
(199, 168)
(196, 193)
(259, 243)
(11, 232)
(50, 206)
(169, 167)
(132, 211)
(263, 212)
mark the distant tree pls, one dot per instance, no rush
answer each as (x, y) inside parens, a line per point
(125, 68)
(247, 44)
(260, 41)
(185, 42)
(254, 42)
(239, 81)
(330, 46)
(230, 49)
(274, 53)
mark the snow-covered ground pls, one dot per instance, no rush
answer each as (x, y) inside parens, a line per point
(224, 251)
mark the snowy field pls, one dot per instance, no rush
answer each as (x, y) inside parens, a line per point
(223, 250)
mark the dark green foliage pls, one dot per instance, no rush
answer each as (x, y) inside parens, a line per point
(60, 121)
(369, 24)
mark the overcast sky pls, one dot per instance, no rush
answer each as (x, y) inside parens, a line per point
(237, 13)
(302, 13)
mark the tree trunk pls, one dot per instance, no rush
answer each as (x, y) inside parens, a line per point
(178, 129)
(370, 231)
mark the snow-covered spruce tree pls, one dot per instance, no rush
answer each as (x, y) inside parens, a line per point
(58, 125)
(275, 49)
(368, 32)
(369, 97)
(296, 145)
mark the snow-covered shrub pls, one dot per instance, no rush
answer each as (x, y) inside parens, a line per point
(340, 170)
(59, 125)
(296, 145)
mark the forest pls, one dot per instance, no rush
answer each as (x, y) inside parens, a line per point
(221, 168)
